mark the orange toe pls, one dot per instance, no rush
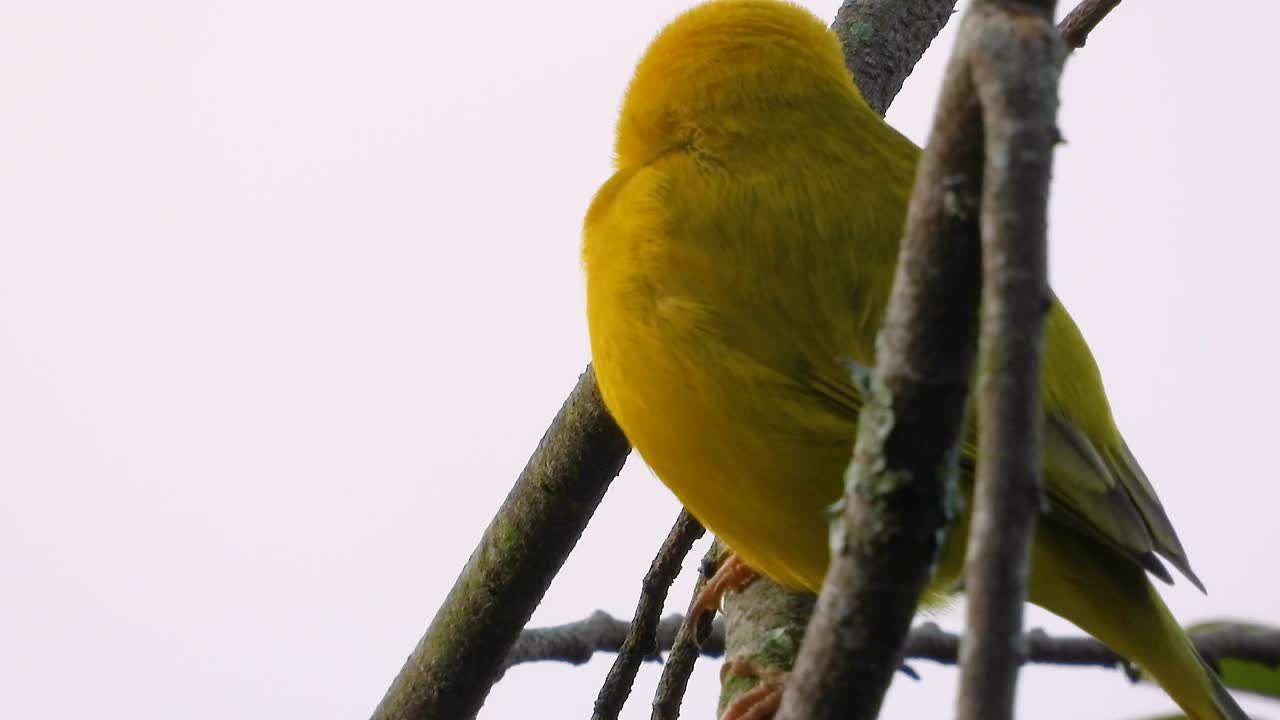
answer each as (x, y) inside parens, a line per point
(731, 575)
(760, 702)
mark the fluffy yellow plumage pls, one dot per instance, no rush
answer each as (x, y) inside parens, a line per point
(744, 249)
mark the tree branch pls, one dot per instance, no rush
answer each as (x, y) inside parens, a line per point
(575, 643)
(1015, 56)
(1081, 21)
(640, 641)
(703, 634)
(764, 625)
(452, 668)
(884, 39)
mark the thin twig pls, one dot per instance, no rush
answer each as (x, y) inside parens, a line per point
(449, 673)
(701, 635)
(1232, 642)
(1016, 60)
(641, 641)
(1081, 21)
(575, 642)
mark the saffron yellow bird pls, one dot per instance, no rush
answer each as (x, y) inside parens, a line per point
(744, 250)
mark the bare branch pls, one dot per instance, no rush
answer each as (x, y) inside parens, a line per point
(641, 641)
(452, 668)
(884, 39)
(575, 642)
(703, 634)
(1239, 642)
(1081, 21)
(1016, 59)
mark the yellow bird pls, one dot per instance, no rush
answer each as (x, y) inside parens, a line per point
(744, 250)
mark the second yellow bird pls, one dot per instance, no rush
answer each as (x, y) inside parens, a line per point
(744, 248)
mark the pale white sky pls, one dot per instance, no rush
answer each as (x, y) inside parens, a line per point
(290, 290)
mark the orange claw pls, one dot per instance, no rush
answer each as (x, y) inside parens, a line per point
(731, 575)
(761, 701)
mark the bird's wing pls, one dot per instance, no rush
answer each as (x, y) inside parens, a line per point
(1106, 494)
(1091, 478)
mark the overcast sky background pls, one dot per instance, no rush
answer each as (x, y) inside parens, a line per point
(290, 290)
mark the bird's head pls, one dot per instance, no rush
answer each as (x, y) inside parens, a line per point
(728, 67)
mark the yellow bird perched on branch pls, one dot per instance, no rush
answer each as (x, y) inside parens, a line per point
(744, 251)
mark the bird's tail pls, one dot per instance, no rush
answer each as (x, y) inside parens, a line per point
(1176, 665)
(1110, 598)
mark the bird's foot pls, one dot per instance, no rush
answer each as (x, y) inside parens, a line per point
(761, 701)
(731, 575)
